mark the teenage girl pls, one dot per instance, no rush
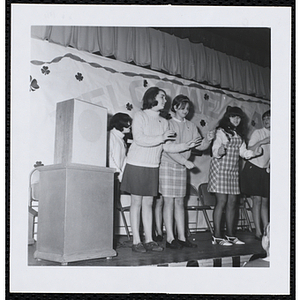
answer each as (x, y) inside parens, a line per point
(150, 133)
(119, 125)
(223, 180)
(255, 177)
(173, 173)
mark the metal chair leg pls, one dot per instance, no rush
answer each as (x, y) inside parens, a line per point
(125, 224)
(208, 222)
(244, 210)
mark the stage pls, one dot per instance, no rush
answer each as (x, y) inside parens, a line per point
(205, 255)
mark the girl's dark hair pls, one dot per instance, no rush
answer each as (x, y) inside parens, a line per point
(180, 101)
(119, 121)
(266, 114)
(149, 97)
(227, 126)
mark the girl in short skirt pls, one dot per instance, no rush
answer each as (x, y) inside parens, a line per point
(223, 180)
(140, 179)
(255, 177)
(173, 174)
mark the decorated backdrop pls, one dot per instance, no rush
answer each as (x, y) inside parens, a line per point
(60, 73)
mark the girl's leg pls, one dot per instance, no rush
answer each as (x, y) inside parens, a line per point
(230, 214)
(256, 212)
(265, 211)
(135, 216)
(179, 218)
(168, 212)
(147, 217)
(158, 215)
(218, 211)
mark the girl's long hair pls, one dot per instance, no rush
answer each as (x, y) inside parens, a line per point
(227, 126)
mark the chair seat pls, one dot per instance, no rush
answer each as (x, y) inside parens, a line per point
(125, 208)
(205, 202)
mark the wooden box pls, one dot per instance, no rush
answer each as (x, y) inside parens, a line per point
(80, 133)
(75, 213)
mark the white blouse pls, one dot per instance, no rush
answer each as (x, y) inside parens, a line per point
(222, 139)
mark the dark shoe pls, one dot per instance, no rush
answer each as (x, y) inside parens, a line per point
(138, 248)
(158, 238)
(187, 244)
(153, 246)
(173, 245)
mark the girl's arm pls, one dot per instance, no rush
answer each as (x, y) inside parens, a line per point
(219, 141)
(207, 140)
(247, 154)
(177, 157)
(173, 148)
(255, 142)
(114, 154)
(180, 159)
(144, 140)
(140, 137)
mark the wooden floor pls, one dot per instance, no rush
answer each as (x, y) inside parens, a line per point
(205, 255)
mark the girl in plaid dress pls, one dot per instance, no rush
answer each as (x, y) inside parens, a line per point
(223, 180)
(173, 174)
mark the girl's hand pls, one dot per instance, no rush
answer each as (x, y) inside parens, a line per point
(189, 165)
(222, 150)
(195, 142)
(169, 135)
(258, 151)
(211, 135)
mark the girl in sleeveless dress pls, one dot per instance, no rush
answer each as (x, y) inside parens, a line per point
(228, 146)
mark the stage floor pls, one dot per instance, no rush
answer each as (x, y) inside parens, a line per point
(205, 255)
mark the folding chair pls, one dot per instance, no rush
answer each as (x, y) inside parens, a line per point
(205, 202)
(33, 203)
(244, 208)
(120, 208)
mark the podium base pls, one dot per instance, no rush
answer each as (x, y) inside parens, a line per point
(66, 258)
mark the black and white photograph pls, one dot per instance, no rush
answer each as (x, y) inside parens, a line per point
(144, 158)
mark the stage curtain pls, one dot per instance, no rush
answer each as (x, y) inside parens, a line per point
(163, 52)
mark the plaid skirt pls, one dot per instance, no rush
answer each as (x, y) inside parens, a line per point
(172, 180)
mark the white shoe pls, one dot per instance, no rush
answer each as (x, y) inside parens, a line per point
(234, 240)
(220, 241)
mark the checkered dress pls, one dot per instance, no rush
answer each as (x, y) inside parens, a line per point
(172, 180)
(224, 171)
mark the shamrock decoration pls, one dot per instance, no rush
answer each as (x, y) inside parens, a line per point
(202, 123)
(45, 70)
(129, 106)
(33, 84)
(206, 97)
(253, 123)
(79, 76)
